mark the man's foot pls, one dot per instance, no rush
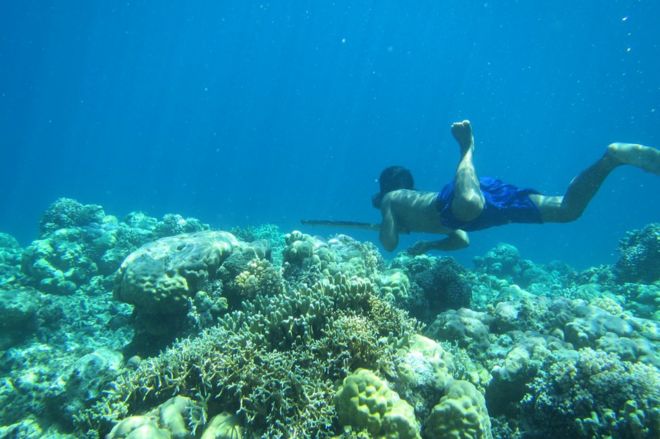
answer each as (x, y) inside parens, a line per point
(643, 157)
(462, 132)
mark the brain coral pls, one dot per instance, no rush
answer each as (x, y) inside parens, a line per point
(176, 285)
(461, 413)
(365, 402)
(161, 275)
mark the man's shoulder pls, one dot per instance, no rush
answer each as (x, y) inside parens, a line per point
(409, 197)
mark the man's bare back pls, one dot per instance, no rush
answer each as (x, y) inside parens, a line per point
(406, 211)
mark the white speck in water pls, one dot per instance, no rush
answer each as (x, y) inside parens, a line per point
(624, 19)
(343, 40)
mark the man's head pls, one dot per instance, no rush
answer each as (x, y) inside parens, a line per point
(392, 179)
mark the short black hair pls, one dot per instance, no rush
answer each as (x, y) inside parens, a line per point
(391, 179)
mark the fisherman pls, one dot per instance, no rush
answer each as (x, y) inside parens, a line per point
(471, 203)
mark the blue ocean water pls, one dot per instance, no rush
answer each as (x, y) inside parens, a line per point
(241, 112)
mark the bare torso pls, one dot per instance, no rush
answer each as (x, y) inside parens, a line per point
(416, 211)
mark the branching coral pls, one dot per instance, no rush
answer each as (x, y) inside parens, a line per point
(271, 362)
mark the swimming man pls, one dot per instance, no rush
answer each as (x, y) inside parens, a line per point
(470, 203)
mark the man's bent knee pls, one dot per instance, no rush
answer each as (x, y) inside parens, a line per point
(467, 206)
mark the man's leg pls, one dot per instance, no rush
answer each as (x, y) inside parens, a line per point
(468, 201)
(582, 189)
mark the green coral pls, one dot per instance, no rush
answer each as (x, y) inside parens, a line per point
(460, 414)
(365, 402)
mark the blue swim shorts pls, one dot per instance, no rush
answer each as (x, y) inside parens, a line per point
(504, 204)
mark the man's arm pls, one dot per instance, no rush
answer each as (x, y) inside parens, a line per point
(389, 234)
(456, 240)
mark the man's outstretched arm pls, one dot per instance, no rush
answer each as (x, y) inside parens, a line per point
(456, 240)
(389, 234)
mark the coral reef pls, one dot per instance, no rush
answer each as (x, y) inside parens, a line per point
(162, 278)
(143, 327)
(10, 259)
(437, 284)
(272, 361)
(640, 255)
(593, 394)
(18, 309)
(424, 370)
(365, 402)
(460, 413)
(178, 417)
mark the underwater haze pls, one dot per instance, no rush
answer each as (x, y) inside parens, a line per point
(241, 112)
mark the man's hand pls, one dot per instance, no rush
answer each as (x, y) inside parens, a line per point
(456, 240)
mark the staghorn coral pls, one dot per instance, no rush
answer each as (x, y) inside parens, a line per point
(268, 390)
(269, 362)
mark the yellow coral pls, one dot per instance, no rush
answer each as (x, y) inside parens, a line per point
(365, 402)
(223, 426)
(260, 277)
(460, 414)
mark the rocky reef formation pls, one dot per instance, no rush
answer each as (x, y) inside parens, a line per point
(640, 255)
(166, 329)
